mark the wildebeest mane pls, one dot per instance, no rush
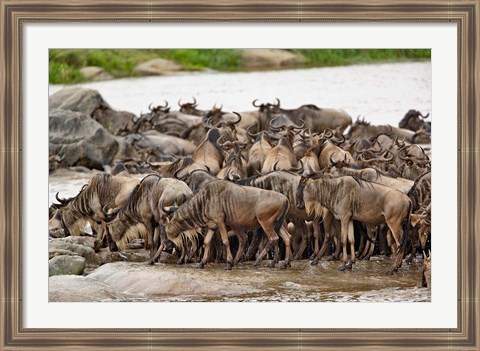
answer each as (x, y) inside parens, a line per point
(312, 107)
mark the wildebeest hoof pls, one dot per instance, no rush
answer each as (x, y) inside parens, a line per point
(282, 265)
(390, 272)
(348, 266)
(314, 263)
(180, 261)
(228, 266)
(271, 264)
(256, 264)
(199, 265)
(151, 262)
(342, 267)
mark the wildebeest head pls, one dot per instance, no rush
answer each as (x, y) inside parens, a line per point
(412, 120)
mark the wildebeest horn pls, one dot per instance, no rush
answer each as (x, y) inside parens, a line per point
(253, 103)
(148, 160)
(250, 134)
(179, 102)
(239, 118)
(278, 102)
(150, 106)
(338, 141)
(293, 126)
(376, 142)
(426, 116)
(275, 166)
(298, 168)
(383, 159)
(194, 104)
(404, 158)
(330, 159)
(109, 216)
(272, 127)
(62, 201)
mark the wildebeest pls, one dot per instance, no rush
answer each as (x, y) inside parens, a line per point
(209, 153)
(412, 121)
(102, 190)
(225, 205)
(349, 198)
(316, 118)
(143, 210)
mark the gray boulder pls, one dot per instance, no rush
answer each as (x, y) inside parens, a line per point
(80, 140)
(270, 58)
(63, 246)
(77, 99)
(95, 73)
(65, 264)
(158, 67)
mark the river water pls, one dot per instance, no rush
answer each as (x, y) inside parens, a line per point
(380, 93)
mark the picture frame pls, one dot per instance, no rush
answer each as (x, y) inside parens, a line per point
(15, 14)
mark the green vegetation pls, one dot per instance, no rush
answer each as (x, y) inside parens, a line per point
(342, 57)
(65, 64)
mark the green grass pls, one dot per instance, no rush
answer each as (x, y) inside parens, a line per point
(65, 64)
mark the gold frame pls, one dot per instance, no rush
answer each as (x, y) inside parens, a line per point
(15, 13)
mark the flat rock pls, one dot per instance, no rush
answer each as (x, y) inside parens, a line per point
(270, 58)
(145, 281)
(66, 265)
(95, 73)
(157, 67)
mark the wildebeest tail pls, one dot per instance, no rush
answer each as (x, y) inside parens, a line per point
(406, 229)
(282, 217)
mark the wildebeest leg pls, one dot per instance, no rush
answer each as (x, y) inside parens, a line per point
(345, 223)
(363, 247)
(382, 240)
(193, 250)
(160, 248)
(207, 242)
(252, 248)
(373, 231)
(226, 244)
(316, 237)
(397, 233)
(286, 239)
(111, 244)
(150, 240)
(272, 239)
(300, 225)
(351, 240)
(328, 228)
(391, 242)
(242, 239)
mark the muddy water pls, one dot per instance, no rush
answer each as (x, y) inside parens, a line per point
(366, 282)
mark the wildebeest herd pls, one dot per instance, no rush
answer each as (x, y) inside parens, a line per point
(272, 182)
